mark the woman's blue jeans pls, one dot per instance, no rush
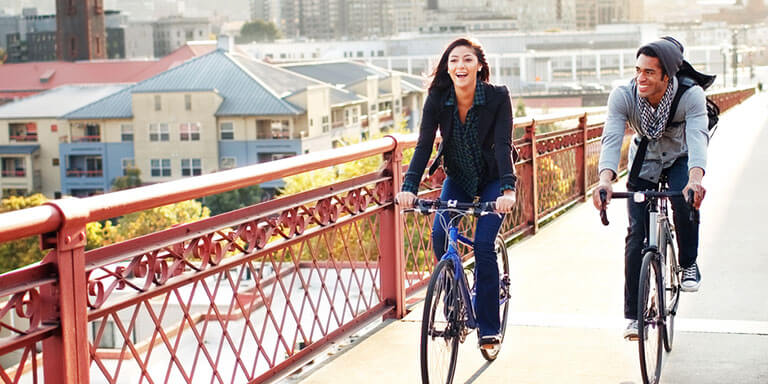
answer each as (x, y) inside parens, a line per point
(486, 268)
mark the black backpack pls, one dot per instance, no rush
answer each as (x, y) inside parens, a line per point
(687, 77)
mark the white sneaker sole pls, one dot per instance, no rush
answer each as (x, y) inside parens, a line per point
(692, 288)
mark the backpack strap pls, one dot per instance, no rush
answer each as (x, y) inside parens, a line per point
(681, 88)
(642, 148)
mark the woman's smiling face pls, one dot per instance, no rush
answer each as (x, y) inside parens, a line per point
(463, 66)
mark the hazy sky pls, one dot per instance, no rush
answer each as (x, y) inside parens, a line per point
(233, 8)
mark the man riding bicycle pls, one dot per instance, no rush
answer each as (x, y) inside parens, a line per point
(676, 147)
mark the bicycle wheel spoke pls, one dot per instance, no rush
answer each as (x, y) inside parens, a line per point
(439, 338)
(650, 318)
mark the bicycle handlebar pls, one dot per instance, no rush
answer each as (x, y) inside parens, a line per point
(641, 196)
(426, 206)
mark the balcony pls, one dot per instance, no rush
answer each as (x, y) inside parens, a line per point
(86, 139)
(74, 172)
(14, 173)
(24, 138)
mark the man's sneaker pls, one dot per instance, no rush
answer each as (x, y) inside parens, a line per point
(691, 279)
(630, 332)
(489, 341)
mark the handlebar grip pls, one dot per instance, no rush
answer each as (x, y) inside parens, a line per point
(694, 213)
(603, 213)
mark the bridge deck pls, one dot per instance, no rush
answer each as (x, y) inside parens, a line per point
(566, 318)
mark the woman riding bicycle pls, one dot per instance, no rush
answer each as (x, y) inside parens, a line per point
(475, 122)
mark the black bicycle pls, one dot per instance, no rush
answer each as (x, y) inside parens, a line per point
(449, 312)
(660, 277)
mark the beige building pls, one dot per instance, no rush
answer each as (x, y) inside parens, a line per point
(31, 133)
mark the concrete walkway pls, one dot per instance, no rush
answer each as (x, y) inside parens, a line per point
(566, 318)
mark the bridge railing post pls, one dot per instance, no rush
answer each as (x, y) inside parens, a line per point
(66, 355)
(581, 161)
(530, 134)
(392, 254)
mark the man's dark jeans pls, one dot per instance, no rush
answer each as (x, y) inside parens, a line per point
(486, 269)
(687, 232)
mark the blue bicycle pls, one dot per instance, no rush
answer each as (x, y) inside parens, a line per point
(448, 316)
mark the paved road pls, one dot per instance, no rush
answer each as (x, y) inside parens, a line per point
(566, 320)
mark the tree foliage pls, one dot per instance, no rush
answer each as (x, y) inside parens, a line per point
(520, 108)
(258, 30)
(131, 179)
(231, 200)
(18, 253)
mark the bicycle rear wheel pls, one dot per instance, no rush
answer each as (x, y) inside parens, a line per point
(440, 326)
(672, 280)
(502, 259)
(650, 316)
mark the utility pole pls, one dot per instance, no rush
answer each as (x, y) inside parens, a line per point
(735, 56)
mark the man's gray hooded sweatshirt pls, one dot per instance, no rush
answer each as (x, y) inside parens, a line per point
(686, 135)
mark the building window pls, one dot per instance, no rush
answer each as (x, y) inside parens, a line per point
(21, 132)
(191, 167)
(228, 163)
(265, 157)
(158, 103)
(189, 132)
(98, 46)
(13, 167)
(128, 163)
(159, 132)
(188, 102)
(326, 124)
(281, 129)
(55, 162)
(227, 131)
(126, 132)
(160, 167)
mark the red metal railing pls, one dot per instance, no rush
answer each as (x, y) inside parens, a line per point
(16, 173)
(86, 139)
(247, 295)
(23, 138)
(79, 173)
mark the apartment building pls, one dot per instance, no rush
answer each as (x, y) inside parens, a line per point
(217, 111)
(33, 129)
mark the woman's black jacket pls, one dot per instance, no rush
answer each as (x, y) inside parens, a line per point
(495, 134)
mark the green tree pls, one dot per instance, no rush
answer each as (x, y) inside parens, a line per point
(258, 30)
(156, 219)
(131, 179)
(3, 56)
(18, 253)
(520, 108)
(231, 200)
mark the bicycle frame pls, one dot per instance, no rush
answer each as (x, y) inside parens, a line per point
(452, 254)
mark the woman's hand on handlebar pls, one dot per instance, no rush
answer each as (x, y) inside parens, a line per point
(505, 202)
(405, 199)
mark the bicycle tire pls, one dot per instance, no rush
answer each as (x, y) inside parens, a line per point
(672, 280)
(650, 319)
(439, 347)
(502, 259)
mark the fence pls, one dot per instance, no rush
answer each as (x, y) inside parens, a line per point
(248, 295)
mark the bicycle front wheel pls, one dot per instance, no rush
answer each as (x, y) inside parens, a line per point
(440, 326)
(502, 259)
(672, 280)
(650, 318)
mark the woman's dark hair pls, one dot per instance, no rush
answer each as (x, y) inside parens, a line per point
(442, 80)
